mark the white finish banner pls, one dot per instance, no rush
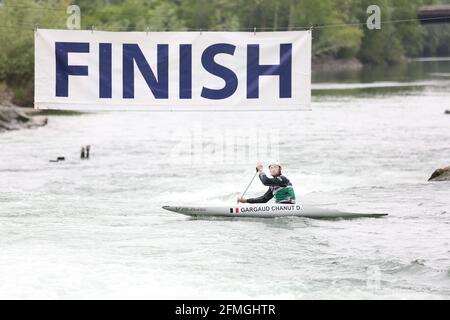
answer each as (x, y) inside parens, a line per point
(172, 71)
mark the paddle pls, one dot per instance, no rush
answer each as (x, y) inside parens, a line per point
(245, 191)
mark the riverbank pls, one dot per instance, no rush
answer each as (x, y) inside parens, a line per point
(13, 117)
(335, 65)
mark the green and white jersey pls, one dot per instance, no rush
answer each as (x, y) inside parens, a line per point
(280, 188)
(283, 194)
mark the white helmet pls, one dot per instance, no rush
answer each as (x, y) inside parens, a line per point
(275, 163)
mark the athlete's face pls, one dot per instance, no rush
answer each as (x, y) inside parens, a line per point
(275, 170)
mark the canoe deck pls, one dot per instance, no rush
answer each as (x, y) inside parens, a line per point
(267, 211)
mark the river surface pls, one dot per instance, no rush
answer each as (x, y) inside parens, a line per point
(95, 228)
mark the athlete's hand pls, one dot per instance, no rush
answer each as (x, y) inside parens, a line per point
(259, 167)
(241, 200)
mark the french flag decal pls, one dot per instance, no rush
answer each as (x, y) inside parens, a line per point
(236, 210)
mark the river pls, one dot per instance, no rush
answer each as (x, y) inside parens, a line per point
(95, 228)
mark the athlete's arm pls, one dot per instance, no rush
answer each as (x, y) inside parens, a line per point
(263, 199)
(280, 181)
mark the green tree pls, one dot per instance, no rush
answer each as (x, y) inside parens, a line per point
(130, 15)
(17, 42)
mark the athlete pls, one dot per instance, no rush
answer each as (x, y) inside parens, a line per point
(279, 186)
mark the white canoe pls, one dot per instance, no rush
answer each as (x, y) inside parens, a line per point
(267, 211)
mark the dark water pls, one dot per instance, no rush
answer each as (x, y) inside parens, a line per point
(415, 70)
